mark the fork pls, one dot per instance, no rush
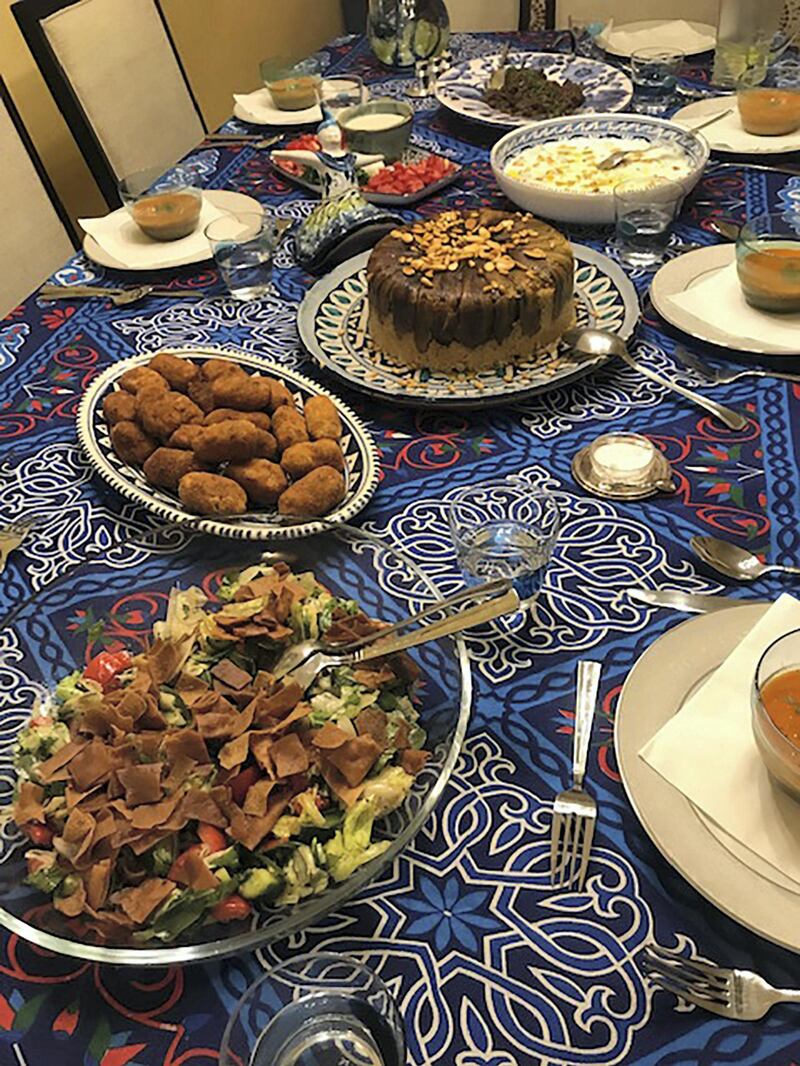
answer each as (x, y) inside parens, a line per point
(574, 810)
(296, 654)
(12, 535)
(719, 377)
(739, 994)
(118, 297)
(305, 674)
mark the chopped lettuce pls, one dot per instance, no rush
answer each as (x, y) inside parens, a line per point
(350, 847)
(37, 743)
(306, 812)
(387, 790)
(263, 883)
(47, 879)
(304, 873)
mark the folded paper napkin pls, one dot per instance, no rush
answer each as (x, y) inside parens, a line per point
(675, 34)
(708, 753)
(728, 131)
(258, 107)
(721, 290)
(118, 234)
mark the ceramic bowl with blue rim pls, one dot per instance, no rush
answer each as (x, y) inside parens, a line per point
(462, 87)
(596, 208)
(360, 452)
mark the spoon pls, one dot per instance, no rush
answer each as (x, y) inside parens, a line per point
(733, 561)
(498, 78)
(729, 230)
(593, 345)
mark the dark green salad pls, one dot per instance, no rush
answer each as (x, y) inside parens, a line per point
(531, 94)
(184, 784)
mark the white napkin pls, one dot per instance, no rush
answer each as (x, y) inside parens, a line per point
(118, 234)
(719, 299)
(728, 132)
(259, 107)
(674, 34)
(708, 753)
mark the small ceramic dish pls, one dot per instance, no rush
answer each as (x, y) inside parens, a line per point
(379, 127)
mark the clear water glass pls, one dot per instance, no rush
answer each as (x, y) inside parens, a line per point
(505, 529)
(655, 77)
(244, 245)
(339, 93)
(315, 1010)
(643, 216)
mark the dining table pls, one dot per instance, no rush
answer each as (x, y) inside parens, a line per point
(490, 965)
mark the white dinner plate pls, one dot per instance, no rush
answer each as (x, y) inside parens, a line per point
(705, 40)
(680, 274)
(727, 874)
(224, 199)
(728, 135)
(258, 109)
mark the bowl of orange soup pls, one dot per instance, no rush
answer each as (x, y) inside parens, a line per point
(164, 208)
(768, 262)
(772, 107)
(776, 710)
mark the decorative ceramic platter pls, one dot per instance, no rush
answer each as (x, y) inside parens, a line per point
(333, 327)
(385, 199)
(461, 88)
(728, 134)
(729, 875)
(360, 453)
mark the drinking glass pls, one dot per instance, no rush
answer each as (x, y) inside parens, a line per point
(780, 750)
(315, 1010)
(768, 262)
(644, 214)
(655, 76)
(505, 529)
(339, 93)
(243, 244)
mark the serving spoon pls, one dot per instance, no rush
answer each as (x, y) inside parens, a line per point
(622, 155)
(594, 345)
(733, 561)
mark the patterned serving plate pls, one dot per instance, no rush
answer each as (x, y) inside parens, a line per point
(411, 155)
(461, 88)
(333, 327)
(358, 446)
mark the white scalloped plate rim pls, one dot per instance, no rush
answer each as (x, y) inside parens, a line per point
(494, 388)
(358, 444)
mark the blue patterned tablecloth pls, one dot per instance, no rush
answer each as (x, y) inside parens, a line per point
(490, 965)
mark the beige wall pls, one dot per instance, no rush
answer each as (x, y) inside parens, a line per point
(221, 43)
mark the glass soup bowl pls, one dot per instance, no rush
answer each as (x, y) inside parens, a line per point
(776, 711)
(768, 262)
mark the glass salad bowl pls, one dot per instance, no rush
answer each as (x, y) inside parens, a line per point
(110, 605)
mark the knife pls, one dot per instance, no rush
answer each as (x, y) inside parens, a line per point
(691, 602)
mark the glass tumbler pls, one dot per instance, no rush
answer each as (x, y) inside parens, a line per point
(505, 529)
(644, 214)
(318, 1009)
(243, 245)
(655, 75)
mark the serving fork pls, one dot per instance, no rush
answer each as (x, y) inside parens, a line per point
(720, 377)
(574, 810)
(12, 535)
(305, 674)
(739, 994)
(296, 654)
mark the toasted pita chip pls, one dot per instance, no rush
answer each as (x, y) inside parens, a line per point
(255, 802)
(329, 736)
(372, 721)
(204, 806)
(194, 872)
(92, 765)
(230, 674)
(98, 881)
(142, 783)
(250, 831)
(186, 742)
(152, 815)
(338, 785)
(74, 904)
(139, 903)
(412, 760)
(260, 744)
(28, 805)
(380, 675)
(354, 759)
(234, 752)
(289, 756)
(45, 770)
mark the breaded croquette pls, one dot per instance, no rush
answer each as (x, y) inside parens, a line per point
(131, 443)
(241, 392)
(262, 480)
(322, 419)
(211, 494)
(185, 436)
(178, 372)
(232, 441)
(119, 407)
(289, 427)
(162, 414)
(300, 459)
(140, 377)
(315, 494)
(225, 414)
(166, 466)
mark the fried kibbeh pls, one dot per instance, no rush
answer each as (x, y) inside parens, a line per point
(166, 466)
(279, 395)
(178, 372)
(267, 447)
(289, 427)
(260, 419)
(322, 419)
(140, 377)
(262, 480)
(162, 414)
(224, 442)
(199, 391)
(300, 459)
(131, 443)
(313, 495)
(185, 436)
(214, 368)
(119, 407)
(241, 392)
(211, 494)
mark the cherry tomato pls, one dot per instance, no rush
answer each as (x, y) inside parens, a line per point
(232, 909)
(213, 838)
(105, 667)
(41, 835)
(242, 782)
(176, 871)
